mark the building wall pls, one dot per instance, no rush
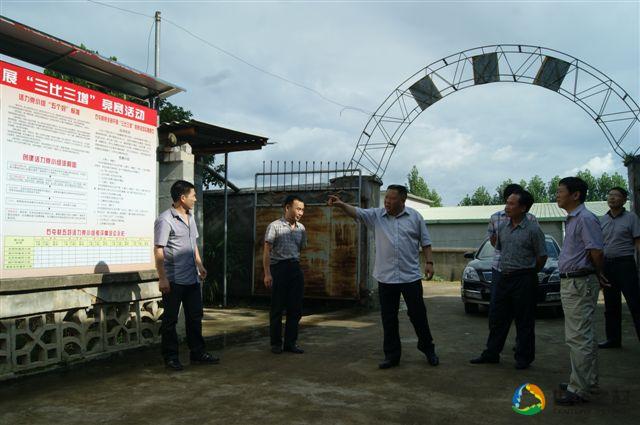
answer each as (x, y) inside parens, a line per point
(457, 235)
(470, 235)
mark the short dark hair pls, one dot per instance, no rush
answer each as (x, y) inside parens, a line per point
(622, 191)
(575, 184)
(179, 188)
(402, 190)
(525, 199)
(290, 198)
(510, 189)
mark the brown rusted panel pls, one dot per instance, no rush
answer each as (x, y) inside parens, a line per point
(344, 256)
(329, 261)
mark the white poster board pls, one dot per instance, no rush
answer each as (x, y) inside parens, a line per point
(78, 178)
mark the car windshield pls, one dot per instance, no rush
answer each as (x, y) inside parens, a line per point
(486, 250)
(552, 249)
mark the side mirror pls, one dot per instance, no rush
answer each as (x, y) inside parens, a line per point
(469, 254)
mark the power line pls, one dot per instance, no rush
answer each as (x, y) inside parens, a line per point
(239, 59)
(146, 68)
(119, 8)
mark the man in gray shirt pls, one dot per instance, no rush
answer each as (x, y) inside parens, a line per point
(580, 263)
(283, 241)
(621, 232)
(400, 234)
(179, 269)
(522, 255)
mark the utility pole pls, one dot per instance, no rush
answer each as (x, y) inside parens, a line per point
(156, 70)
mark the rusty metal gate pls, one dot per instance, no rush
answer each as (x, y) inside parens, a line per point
(331, 259)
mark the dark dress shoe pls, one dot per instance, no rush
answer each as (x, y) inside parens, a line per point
(433, 359)
(609, 344)
(594, 389)
(388, 364)
(484, 359)
(522, 365)
(204, 358)
(276, 349)
(570, 399)
(174, 364)
(293, 349)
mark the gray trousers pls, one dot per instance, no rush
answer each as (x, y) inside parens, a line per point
(579, 299)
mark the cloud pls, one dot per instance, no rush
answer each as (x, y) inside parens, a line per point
(215, 79)
(444, 149)
(503, 154)
(597, 165)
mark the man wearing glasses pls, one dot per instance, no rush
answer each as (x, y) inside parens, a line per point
(621, 233)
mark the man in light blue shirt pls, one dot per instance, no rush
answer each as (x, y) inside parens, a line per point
(400, 234)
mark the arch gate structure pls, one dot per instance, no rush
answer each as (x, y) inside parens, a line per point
(606, 103)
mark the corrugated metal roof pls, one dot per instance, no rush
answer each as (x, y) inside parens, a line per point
(207, 138)
(548, 211)
(30, 45)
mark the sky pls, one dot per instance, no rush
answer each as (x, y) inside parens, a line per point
(356, 54)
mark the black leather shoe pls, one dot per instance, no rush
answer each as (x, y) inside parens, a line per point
(522, 365)
(204, 358)
(276, 349)
(293, 349)
(484, 359)
(432, 358)
(388, 364)
(570, 399)
(174, 364)
(609, 344)
(594, 389)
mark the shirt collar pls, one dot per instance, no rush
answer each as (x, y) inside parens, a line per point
(577, 211)
(619, 215)
(175, 213)
(284, 221)
(523, 224)
(401, 213)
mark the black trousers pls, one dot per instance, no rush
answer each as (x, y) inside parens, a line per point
(389, 305)
(514, 297)
(286, 294)
(623, 277)
(191, 299)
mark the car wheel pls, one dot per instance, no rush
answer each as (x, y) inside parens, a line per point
(470, 308)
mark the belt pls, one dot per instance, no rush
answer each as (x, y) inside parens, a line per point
(520, 272)
(288, 260)
(620, 259)
(579, 273)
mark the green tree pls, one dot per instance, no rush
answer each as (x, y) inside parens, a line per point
(497, 198)
(169, 112)
(606, 182)
(552, 187)
(592, 184)
(537, 188)
(480, 197)
(417, 185)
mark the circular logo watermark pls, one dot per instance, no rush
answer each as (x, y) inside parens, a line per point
(531, 409)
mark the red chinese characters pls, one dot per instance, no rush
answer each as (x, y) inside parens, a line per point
(40, 84)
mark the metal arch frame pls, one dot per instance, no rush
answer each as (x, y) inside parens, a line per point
(386, 126)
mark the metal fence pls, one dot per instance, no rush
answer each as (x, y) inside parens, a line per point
(332, 257)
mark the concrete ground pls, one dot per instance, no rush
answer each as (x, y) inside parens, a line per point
(335, 382)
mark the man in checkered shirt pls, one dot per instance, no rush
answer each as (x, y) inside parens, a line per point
(283, 241)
